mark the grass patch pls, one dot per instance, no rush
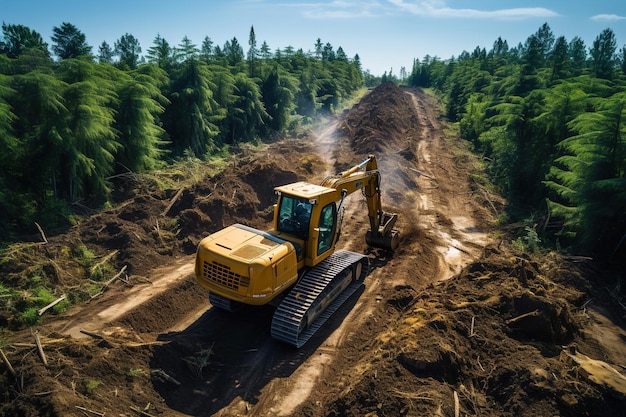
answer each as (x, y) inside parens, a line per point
(84, 256)
(91, 385)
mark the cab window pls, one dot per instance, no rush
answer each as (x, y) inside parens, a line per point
(326, 226)
(294, 215)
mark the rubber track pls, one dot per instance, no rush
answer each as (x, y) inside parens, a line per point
(222, 303)
(292, 310)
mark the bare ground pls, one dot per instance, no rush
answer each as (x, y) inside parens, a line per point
(454, 323)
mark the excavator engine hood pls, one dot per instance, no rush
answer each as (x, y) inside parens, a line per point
(245, 265)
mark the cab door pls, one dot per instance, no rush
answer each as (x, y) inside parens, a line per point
(326, 231)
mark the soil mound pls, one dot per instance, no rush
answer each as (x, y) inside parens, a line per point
(383, 123)
(495, 340)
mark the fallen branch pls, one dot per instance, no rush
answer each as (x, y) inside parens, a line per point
(32, 345)
(52, 304)
(413, 395)
(141, 412)
(576, 258)
(161, 373)
(420, 174)
(92, 334)
(479, 365)
(486, 195)
(472, 327)
(40, 349)
(172, 201)
(456, 404)
(109, 282)
(103, 261)
(43, 235)
(518, 318)
(8, 364)
(90, 411)
(40, 394)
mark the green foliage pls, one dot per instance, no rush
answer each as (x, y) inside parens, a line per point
(550, 125)
(91, 385)
(589, 179)
(101, 272)
(137, 119)
(278, 95)
(18, 39)
(86, 124)
(27, 304)
(29, 317)
(84, 255)
(8, 298)
(69, 42)
(188, 119)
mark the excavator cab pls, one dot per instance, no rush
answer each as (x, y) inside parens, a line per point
(306, 215)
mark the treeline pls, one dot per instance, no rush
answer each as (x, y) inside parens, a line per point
(67, 125)
(549, 117)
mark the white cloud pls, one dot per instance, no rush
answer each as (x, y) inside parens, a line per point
(340, 9)
(607, 17)
(438, 8)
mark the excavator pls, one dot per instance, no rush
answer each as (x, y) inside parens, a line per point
(295, 266)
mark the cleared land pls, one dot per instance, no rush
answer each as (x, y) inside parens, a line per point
(454, 323)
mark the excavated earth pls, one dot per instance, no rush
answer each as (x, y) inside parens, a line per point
(454, 323)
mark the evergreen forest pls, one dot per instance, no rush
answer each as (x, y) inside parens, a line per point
(548, 117)
(71, 120)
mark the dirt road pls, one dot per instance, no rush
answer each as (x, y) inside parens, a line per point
(451, 324)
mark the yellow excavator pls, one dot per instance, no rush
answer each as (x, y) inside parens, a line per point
(295, 265)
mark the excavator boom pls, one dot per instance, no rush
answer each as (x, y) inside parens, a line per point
(366, 177)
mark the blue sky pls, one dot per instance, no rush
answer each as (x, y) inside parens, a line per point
(386, 34)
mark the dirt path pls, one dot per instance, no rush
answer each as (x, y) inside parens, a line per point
(445, 205)
(112, 308)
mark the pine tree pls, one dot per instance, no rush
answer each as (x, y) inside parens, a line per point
(277, 90)
(589, 180)
(186, 50)
(17, 39)
(105, 53)
(160, 53)
(603, 55)
(136, 119)
(253, 53)
(128, 49)
(69, 42)
(87, 138)
(188, 117)
(247, 116)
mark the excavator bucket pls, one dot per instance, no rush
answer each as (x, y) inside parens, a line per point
(386, 237)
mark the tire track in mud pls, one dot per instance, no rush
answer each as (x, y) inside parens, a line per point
(444, 196)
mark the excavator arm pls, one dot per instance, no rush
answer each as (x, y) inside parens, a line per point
(366, 177)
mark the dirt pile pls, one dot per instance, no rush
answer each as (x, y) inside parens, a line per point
(382, 123)
(453, 323)
(494, 340)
